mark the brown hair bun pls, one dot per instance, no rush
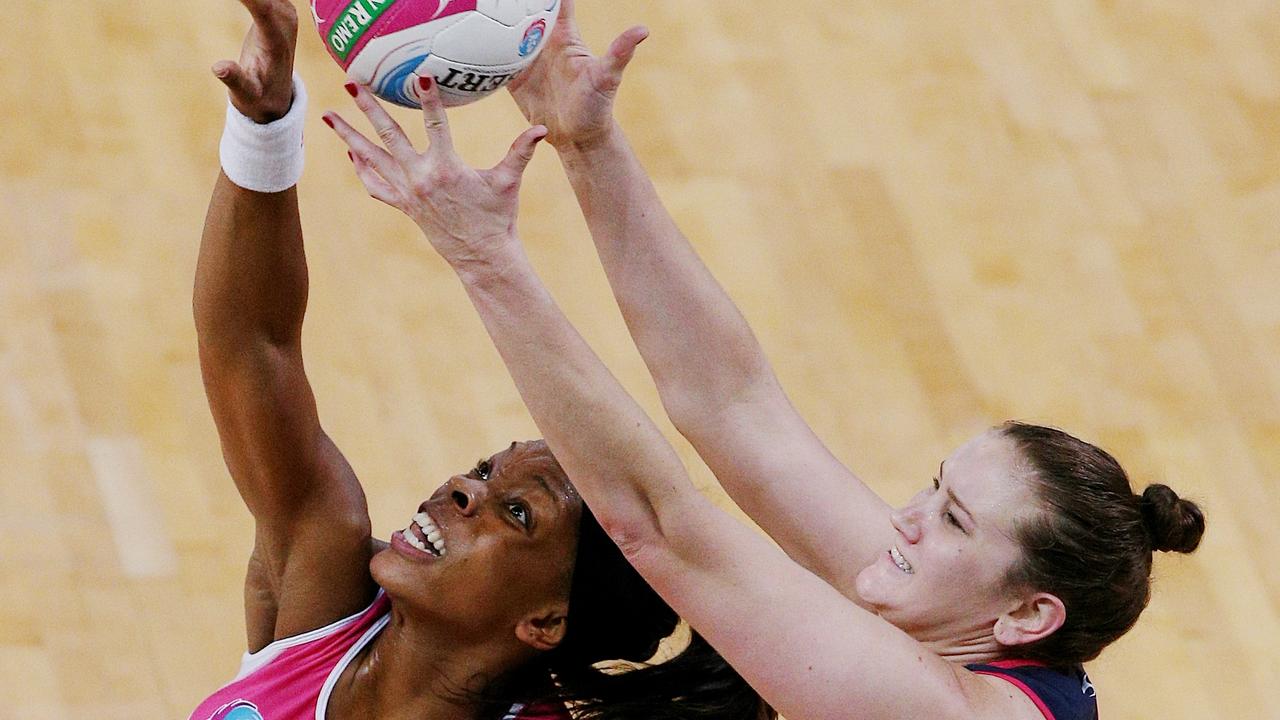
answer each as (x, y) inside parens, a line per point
(1175, 525)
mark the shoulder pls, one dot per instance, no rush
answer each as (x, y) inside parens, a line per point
(1058, 694)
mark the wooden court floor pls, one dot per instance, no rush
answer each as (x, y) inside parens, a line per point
(937, 215)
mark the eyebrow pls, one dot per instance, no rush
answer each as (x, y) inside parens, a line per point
(542, 482)
(951, 494)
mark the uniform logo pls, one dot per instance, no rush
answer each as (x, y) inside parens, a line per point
(237, 710)
(533, 38)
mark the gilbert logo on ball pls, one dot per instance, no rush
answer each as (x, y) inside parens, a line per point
(470, 47)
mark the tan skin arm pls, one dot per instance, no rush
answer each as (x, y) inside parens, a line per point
(811, 652)
(311, 552)
(715, 382)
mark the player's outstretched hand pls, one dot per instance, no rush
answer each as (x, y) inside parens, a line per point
(468, 215)
(568, 89)
(261, 83)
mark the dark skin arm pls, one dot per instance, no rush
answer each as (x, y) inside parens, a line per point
(311, 551)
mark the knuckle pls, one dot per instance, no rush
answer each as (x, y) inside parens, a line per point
(442, 175)
(388, 134)
(421, 186)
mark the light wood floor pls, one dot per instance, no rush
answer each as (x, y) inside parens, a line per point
(937, 215)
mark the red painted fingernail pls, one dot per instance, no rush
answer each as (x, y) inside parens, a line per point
(425, 81)
(352, 90)
(327, 120)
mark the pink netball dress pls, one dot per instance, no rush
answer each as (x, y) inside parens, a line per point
(292, 679)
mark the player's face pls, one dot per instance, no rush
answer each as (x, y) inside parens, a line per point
(943, 580)
(489, 548)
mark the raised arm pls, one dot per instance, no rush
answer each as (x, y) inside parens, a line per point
(809, 651)
(310, 559)
(711, 373)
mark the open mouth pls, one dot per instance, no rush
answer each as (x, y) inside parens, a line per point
(900, 561)
(424, 535)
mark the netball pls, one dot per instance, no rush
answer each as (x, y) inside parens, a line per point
(470, 47)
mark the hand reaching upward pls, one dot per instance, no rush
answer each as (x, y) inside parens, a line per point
(569, 90)
(468, 215)
(261, 83)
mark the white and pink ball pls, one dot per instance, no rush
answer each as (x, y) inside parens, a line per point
(471, 47)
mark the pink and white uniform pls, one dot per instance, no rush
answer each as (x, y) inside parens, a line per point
(292, 679)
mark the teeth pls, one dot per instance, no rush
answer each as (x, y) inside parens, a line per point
(429, 530)
(414, 541)
(900, 561)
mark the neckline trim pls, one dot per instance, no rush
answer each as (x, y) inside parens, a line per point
(322, 702)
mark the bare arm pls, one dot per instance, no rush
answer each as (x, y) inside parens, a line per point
(711, 373)
(310, 560)
(810, 652)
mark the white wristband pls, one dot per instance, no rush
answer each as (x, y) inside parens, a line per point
(266, 157)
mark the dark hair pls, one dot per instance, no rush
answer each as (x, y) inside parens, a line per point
(1092, 544)
(615, 616)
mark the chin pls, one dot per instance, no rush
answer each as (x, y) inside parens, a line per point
(875, 587)
(390, 572)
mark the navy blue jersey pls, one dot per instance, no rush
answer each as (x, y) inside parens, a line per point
(1059, 695)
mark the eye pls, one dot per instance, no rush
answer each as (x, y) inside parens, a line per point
(519, 512)
(483, 468)
(951, 518)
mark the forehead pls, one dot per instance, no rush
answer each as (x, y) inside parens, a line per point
(990, 476)
(532, 463)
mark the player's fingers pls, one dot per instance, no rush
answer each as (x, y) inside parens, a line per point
(621, 51)
(566, 11)
(276, 21)
(259, 9)
(364, 149)
(433, 116)
(512, 167)
(389, 131)
(378, 187)
(234, 77)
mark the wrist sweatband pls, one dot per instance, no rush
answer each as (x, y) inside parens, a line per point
(266, 157)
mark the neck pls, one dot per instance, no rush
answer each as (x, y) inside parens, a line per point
(970, 645)
(412, 670)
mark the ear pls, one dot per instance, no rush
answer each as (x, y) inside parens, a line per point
(1035, 618)
(544, 630)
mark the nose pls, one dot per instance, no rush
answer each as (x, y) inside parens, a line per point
(907, 521)
(466, 494)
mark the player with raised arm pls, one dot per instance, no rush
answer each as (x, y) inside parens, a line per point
(500, 595)
(1025, 556)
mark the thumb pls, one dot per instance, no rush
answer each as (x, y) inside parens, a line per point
(566, 11)
(233, 76)
(621, 51)
(512, 167)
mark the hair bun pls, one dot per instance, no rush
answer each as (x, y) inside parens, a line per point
(1175, 525)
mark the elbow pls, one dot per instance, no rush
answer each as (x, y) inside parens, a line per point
(646, 549)
(228, 324)
(654, 540)
(635, 534)
(233, 336)
(697, 410)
